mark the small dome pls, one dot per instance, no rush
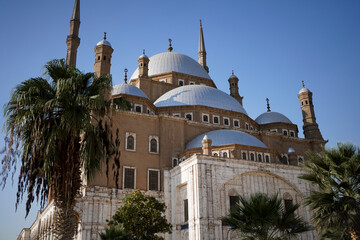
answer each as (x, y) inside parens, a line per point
(272, 117)
(124, 88)
(173, 62)
(199, 95)
(291, 150)
(226, 137)
(304, 90)
(143, 56)
(104, 42)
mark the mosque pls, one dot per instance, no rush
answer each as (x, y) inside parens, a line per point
(190, 145)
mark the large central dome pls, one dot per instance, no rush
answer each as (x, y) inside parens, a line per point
(173, 62)
(199, 95)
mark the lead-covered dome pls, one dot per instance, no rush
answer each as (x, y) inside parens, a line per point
(104, 42)
(272, 117)
(199, 95)
(173, 62)
(226, 137)
(124, 88)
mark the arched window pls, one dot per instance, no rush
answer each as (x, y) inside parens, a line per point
(130, 143)
(252, 157)
(259, 158)
(153, 145)
(267, 158)
(225, 155)
(285, 160)
(175, 162)
(215, 154)
(244, 155)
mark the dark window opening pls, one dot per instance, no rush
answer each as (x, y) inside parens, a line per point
(244, 156)
(225, 155)
(129, 180)
(285, 133)
(130, 143)
(188, 116)
(153, 146)
(181, 83)
(98, 57)
(292, 134)
(104, 57)
(310, 102)
(205, 118)
(234, 201)
(154, 180)
(236, 123)
(138, 109)
(288, 204)
(259, 158)
(252, 157)
(226, 121)
(216, 120)
(306, 102)
(246, 126)
(175, 162)
(186, 210)
(267, 158)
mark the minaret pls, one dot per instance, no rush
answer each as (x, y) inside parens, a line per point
(310, 127)
(103, 53)
(202, 51)
(143, 61)
(73, 40)
(234, 88)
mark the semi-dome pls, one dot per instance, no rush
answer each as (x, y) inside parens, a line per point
(104, 42)
(173, 62)
(272, 117)
(226, 137)
(199, 95)
(124, 88)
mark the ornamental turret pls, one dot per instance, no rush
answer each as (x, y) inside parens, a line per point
(234, 88)
(103, 54)
(143, 61)
(310, 127)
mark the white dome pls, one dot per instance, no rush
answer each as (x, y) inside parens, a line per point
(225, 137)
(104, 42)
(173, 62)
(199, 95)
(304, 90)
(272, 117)
(124, 88)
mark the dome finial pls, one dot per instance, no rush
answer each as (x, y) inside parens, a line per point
(125, 77)
(144, 51)
(303, 84)
(268, 105)
(170, 47)
(232, 72)
(104, 35)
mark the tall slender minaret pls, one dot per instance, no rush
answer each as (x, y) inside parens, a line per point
(73, 40)
(202, 51)
(310, 127)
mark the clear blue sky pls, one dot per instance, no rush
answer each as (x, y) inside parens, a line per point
(271, 46)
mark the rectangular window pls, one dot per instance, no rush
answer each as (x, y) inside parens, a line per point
(138, 108)
(292, 133)
(129, 178)
(154, 180)
(226, 121)
(288, 203)
(246, 126)
(174, 162)
(189, 116)
(205, 117)
(186, 210)
(236, 123)
(285, 132)
(234, 200)
(216, 120)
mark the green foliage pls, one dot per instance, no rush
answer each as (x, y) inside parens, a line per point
(142, 216)
(336, 200)
(115, 233)
(265, 218)
(56, 127)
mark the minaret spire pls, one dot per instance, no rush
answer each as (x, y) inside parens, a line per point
(202, 51)
(73, 40)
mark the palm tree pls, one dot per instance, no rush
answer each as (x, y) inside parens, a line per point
(58, 127)
(265, 218)
(336, 200)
